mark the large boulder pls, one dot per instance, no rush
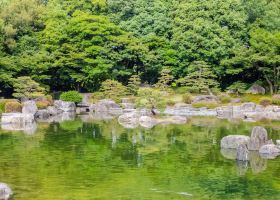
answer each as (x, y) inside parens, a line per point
(53, 110)
(29, 107)
(258, 138)
(147, 122)
(17, 118)
(269, 151)
(129, 120)
(42, 114)
(256, 89)
(242, 153)
(248, 107)
(232, 141)
(106, 105)
(5, 191)
(65, 106)
(205, 98)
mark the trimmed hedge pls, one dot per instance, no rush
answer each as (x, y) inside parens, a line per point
(72, 96)
(12, 107)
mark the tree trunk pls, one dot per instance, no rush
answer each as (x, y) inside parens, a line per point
(270, 85)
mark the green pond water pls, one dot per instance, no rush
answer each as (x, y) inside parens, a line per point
(75, 160)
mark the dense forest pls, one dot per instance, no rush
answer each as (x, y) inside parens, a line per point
(78, 44)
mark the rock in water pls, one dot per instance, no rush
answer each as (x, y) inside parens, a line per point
(232, 141)
(147, 122)
(42, 114)
(258, 138)
(269, 151)
(29, 107)
(242, 153)
(5, 191)
(129, 120)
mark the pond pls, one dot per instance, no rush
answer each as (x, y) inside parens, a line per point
(76, 160)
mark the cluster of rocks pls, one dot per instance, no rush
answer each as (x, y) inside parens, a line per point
(25, 120)
(5, 191)
(249, 111)
(258, 141)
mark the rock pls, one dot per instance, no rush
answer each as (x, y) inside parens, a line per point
(129, 120)
(269, 151)
(126, 100)
(42, 114)
(178, 120)
(236, 100)
(232, 141)
(17, 118)
(128, 105)
(205, 98)
(29, 107)
(147, 122)
(65, 106)
(248, 106)
(53, 110)
(256, 89)
(258, 138)
(5, 191)
(224, 112)
(242, 153)
(105, 105)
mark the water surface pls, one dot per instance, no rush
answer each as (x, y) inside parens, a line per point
(76, 160)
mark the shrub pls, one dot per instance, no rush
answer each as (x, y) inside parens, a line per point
(11, 107)
(150, 98)
(265, 101)
(3, 103)
(49, 99)
(113, 90)
(276, 99)
(205, 104)
(72, 96)
(42, 104)
(224, 98)
(187, 98)
(170, 102)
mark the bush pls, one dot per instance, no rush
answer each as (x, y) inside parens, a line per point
(276, 99)
(112, 89)
(3, 103)
(72, 96)
(187, 98)
(49, 99)
(265, 101)
(42, 104)
(11, 107)
(170, 102)
(205, 104)
(224, 98)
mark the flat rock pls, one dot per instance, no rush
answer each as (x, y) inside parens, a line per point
(5, 191)
(65, 106)
(29, 107)
(269, 151)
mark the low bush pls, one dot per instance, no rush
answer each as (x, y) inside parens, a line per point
(265, 101)
(206, 104)
(3, 103)
(187, 98)
(276, 99)
(42, 104)
(49, 99)
(255, 98)
(72, 96)
(12, 107)
(170, 102)
(224, 98)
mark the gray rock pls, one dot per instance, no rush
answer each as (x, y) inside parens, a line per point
(147, 122)
(53, 110)
(128, 105)
(5, 191)
(205, 98)
(235, 100)
(29, 107)
(224, 112)
(65, 106)
(232, 141)
(129, 120)
(269, 151)
(229, 153)
(126, 100)
(42, 114)
(248, 106)
(17, 118)
(242, 153)
(256, 89)
(105, 105)
(258, 138)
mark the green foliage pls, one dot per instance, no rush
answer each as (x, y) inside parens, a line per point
(42, 104)
(11, 107)
(224, 98)
(72, 96)
(187, 98)
(149, 98)
(206, 104)
(24, 86)
(200, 77)
(276, 99)
(3, 102)
(265, 101)
(165, 79)
(134, 83)
(112, 89)
(238, 88)
(251, 98)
